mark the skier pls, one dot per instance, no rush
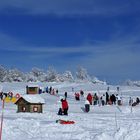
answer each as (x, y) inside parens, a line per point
(87, 106)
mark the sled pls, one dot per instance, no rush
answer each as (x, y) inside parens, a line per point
(64, 121)
(7, 100)
(10, 100)
(14, 99)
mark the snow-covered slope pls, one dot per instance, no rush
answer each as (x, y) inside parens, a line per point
(101, 123)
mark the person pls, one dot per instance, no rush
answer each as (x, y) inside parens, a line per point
(77, 96)
(50, 90)
(81, 92)
(108, 88)
(60, 112)
(113, 99)
(64, 106)
(87, 106)
(1, 95)
(96, 99)
(118, 99)
(40, 90)
(118, 89)
(47, 89)
(100, 100)
(53, 91)
(103, 100)
(56, 91)
(130, 101)
(107, 98)
(72, 89)
(89, 98)
(137, 100)
(66, 94)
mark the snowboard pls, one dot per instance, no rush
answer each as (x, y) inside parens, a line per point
(64, 121)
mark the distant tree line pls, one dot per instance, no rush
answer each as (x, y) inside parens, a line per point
(131, 83)
(49, 75)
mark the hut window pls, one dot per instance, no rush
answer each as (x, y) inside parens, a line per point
(35, 109)
(23, 108)
(32, 89)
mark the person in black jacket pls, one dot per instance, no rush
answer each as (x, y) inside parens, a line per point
(107, 98)
(113, 99)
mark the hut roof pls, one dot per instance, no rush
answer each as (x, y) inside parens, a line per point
(33, 86)
(33, 99)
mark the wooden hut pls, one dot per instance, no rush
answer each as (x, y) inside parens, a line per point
(32, 89)
(30, 103)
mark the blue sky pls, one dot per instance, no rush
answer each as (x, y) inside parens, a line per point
(101, 35)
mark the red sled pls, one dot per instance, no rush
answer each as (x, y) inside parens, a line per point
(65, 122)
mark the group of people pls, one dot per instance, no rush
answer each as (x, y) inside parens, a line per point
(78, 95)
(104, 99)
(4, 95)
(51, 90)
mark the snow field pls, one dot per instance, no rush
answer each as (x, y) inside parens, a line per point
(101, 123)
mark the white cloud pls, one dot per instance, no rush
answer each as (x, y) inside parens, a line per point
(72, 7)
(115, 57)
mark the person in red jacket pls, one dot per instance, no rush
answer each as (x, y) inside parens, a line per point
(89, 98)
(77, 96)
(64, 106)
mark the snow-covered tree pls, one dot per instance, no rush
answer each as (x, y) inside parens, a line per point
(95, 80)
(51, 74)
(82, 74)
(68, 76)
(3, 73)
(132, 83)
(30, 77)
(38, 75)
(15, 75)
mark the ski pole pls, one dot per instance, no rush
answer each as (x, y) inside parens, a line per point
(2, 119)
